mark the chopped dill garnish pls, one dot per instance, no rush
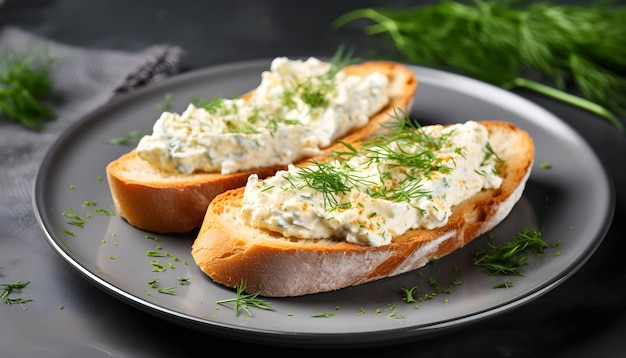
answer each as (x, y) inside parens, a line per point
(161, 107)
(128, 138)
(154, 283)
(104, 212)
(504, 284)
(341, 58)
(394, 312)
(214, 105)
(244, 301)
(329, 180)
(323, 315)
(167, 290)
(394, 148)
(152, 253)
(157, 266)
(508, 257)
(408, 294)
(184, 281)
(545, 165)
(8, 288)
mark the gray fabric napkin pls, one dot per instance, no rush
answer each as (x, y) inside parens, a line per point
(83, 80)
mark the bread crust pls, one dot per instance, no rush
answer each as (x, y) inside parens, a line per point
(274, 266)
(161, 202)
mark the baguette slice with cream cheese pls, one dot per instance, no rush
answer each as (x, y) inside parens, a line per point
(160, 201)
(231, 252)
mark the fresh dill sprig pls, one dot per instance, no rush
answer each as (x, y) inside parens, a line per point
(25, 82)
(328, 179)
(508, 257)
(214, 105)
(582, 47)
(314, 91)
(244, 301)
(341, 59)
(394, 147)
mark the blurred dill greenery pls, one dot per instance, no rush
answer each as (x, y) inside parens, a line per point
(578, 51)
(25, 83)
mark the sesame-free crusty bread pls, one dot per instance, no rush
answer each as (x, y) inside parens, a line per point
(165, 202)
(271, 265)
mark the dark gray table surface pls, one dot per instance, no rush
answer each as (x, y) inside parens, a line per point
(584, 316)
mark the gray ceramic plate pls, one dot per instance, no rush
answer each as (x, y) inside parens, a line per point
(113, 255)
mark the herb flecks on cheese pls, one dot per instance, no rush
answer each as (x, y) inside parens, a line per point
(404, 179)
(299, 107)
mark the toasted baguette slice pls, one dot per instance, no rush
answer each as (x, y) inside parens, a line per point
(272, 265)
(163, 202)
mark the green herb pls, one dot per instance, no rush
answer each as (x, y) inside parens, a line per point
(157, 266)
(167, 290)
(128, 138)
(104, 212)
(341, 59)
(184, 281)
(409, 294)
(8, 288)
(333, 180)
(323, 315)
(164, 290)
(215, 105)
(162, 107)
(244, 301)
(505, 43)
(508, 257)
(394, 312)
(153, 253)
(77, 220)
(19, 301)
(505, 284)
(457, 270)
(154, 283)
(314, 90)
(24, 84)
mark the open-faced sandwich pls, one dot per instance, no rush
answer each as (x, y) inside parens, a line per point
(301, 109)
(372, 210)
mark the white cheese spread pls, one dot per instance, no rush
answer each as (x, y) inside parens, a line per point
(298, 108)
(409, 179)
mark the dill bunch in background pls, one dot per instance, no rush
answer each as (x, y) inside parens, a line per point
(582, 47)
(25, 82)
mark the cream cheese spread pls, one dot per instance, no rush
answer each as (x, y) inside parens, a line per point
(299, 107)
(406, 180)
